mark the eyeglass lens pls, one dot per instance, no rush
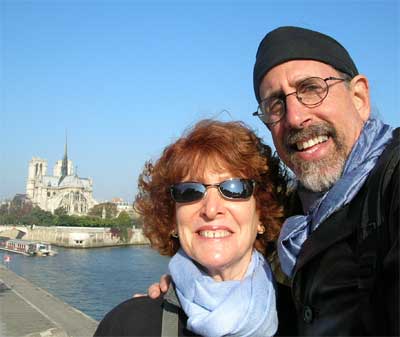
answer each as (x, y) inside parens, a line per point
(312, 90)
(309, 92)
(230, 189)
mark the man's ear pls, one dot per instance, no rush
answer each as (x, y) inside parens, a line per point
(360, 95)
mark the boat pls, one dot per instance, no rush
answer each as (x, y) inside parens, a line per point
(25, 247)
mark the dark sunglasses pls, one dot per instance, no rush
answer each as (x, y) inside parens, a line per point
(232, 189)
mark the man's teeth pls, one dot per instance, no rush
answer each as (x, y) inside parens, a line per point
(214, 234)
(311, 142)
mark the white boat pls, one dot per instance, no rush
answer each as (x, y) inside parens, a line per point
(28, 248)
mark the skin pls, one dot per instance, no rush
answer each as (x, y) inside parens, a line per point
(344, 110)
(340, 116)
(224, 258)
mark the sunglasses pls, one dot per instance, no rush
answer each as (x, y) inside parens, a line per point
(232, 189)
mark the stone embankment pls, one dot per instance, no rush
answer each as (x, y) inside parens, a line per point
(76, 237)
(27, 310)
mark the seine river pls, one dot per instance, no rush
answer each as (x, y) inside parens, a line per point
(92, 280)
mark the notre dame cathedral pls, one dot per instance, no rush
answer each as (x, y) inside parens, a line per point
(63, 189)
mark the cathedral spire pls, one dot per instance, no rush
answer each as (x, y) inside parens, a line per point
(64, 166)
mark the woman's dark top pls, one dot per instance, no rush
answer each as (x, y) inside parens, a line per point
(142, 316)
(139, 316)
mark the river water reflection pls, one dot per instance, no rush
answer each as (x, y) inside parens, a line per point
(92, 280)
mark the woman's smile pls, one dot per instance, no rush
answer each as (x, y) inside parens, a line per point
(214, 233)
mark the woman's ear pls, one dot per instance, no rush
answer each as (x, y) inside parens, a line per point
(174, 233)
(360, 94)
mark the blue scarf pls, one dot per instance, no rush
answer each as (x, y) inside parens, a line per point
(372, 141)
(228, 308)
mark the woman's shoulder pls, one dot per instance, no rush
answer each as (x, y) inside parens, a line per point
(140, 316)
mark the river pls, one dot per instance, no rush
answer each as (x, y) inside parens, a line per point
(92, 280)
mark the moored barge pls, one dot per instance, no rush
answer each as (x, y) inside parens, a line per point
(24, 247)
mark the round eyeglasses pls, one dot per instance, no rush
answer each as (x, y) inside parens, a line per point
(309, 92)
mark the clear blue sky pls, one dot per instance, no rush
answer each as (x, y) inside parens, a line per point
(125, 78)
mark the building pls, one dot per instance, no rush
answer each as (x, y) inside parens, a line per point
(19, 201)
(124, 206)
(63, 189)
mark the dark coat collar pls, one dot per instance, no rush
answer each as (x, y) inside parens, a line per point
(337, 227)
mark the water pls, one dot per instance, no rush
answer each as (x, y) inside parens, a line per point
(92, 280)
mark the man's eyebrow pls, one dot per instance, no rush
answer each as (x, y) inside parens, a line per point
(280, 93)
(274, 94)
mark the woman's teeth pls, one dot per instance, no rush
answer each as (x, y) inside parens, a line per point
(214, 234)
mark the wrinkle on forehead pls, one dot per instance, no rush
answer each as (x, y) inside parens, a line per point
(284, 77)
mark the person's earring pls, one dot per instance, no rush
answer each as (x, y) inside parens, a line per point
(174, 234)
(261, 230)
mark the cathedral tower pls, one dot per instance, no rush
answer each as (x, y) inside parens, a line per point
(37, 169)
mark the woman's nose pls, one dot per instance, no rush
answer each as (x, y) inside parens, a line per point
(212, 203)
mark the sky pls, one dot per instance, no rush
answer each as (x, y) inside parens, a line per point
(123, 79)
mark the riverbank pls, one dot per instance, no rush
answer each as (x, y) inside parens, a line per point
(27, 310)
(92, 280)
(75, 237)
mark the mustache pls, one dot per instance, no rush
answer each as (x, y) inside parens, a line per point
(295, 135)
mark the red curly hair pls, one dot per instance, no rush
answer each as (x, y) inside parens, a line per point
(221, 146)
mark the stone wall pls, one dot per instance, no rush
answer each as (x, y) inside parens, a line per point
(80, 237)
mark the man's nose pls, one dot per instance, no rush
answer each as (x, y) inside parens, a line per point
(297, 115)
(212, 203)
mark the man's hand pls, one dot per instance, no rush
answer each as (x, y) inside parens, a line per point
(156, 289)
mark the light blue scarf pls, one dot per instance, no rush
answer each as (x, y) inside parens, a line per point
(372, 141)
(229, 308)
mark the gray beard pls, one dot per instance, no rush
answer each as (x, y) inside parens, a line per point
(314, 175)
(320, 175)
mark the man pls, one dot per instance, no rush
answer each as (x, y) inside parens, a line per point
(342, 251)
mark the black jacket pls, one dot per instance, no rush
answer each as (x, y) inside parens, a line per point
(339, 286)
(142, 316)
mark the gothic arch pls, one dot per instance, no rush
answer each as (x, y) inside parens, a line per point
(74, 202)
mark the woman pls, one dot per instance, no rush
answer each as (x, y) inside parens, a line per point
(213, 202)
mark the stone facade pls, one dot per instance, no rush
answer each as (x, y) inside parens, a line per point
(63, 189)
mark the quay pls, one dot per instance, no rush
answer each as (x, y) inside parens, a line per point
(29, 311)
(74, 237)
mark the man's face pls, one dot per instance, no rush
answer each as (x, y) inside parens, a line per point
(315, 142)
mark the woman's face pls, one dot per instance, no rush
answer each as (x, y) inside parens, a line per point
(218, 233)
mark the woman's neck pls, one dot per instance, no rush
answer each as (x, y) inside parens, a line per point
(232, 272)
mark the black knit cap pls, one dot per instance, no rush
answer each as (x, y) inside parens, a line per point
(294, 43)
